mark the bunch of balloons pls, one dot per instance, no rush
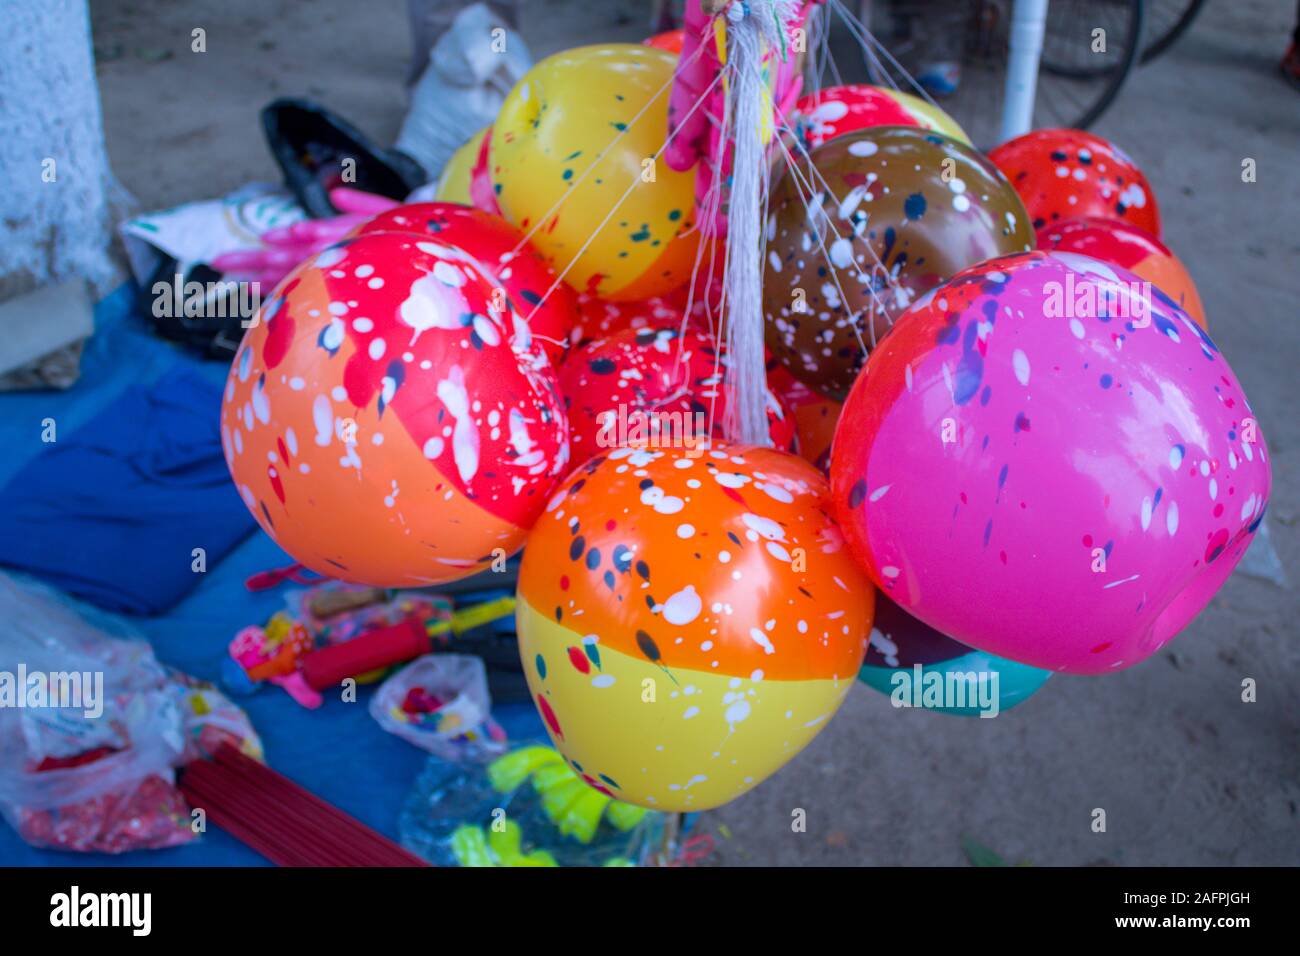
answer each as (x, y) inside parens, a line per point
(1002, 443)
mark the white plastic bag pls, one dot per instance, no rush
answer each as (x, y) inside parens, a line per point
(121, 703)
(471, 69)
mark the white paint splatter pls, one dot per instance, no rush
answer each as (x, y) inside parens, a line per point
(683, 607)
(1020, 363)
(464, 438)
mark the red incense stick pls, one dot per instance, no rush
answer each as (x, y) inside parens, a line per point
(281, 820)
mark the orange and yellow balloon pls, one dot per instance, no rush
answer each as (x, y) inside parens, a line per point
(689, 620)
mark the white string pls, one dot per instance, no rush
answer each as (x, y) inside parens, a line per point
(743, 282)
(864, 36)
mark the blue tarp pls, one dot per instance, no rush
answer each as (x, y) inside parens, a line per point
(338, 751)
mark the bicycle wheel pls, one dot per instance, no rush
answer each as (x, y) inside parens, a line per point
(1089, 49)
(1167, 20)
(1081, 72)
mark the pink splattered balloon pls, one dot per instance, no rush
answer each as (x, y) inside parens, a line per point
(1047, 459)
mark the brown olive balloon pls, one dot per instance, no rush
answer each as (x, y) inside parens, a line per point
(884, 215)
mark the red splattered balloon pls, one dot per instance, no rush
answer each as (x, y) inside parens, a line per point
(600, 318)
(1065, 173)
(503, 255)
(815, 415)
(386, 420)
(835, 110)
(1122, 244)
(652, 385)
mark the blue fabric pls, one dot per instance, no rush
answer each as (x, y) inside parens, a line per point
(113, 512)
(338, 752)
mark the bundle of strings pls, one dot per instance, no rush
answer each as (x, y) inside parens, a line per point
(752, 26)
(279, 819)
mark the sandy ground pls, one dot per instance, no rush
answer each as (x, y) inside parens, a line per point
(1187, 773)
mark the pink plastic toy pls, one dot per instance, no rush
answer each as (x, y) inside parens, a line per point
(274, 655)
(697, 133)
(1049, 460)
(287, 246)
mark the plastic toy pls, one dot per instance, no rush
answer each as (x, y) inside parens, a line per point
(1048, 460)
(895, 211)
(313, 653)
(688, 624)
(525, 808)
(385, 375)
(396, 644)
(440, 703)
(273, 654)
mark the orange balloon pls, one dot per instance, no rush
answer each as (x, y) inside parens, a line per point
(689, 619)
(384, 421)
(815, 415)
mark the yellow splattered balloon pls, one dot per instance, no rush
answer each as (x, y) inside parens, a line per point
(454, 184)
(585, 126)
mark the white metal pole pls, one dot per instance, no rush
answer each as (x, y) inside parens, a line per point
(1028, 24)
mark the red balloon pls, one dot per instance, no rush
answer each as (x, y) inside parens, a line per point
(652, 385)
(835, 110)
(503, 256)
(815, 415)
(702, 295)
(670, 40)
(1111, 240)
(600, 318)
(1067, 173)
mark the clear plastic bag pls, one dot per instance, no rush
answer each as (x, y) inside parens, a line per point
(92, 725)
(440, 703)
(527, 808)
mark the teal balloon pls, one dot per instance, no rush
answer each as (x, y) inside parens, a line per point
(912, 663)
